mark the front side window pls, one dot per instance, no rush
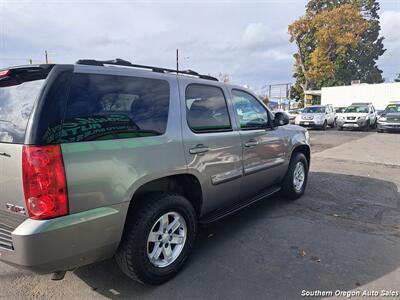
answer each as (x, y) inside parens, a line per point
(251, 114)
(206, 109)
(103, 107)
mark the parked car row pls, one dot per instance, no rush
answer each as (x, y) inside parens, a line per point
(360, 115)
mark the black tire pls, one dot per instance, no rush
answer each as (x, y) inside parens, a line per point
(132, 253)
(340, 128)
(380, 131)
(288, 189)
(333, 125)
(325, 125)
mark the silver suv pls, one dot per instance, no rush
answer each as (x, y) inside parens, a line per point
(317, 116)
(107, 158)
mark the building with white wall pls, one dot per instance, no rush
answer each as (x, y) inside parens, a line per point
(378, 94)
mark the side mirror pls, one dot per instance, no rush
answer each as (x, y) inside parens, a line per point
(281, 119)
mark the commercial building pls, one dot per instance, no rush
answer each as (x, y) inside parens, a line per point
(378, 94)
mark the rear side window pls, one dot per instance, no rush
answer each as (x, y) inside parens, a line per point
(206, 109)
(16, 104)
(102, 107)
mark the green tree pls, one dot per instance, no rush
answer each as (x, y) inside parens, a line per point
(337, 41)
(361, 63)
(324, 42)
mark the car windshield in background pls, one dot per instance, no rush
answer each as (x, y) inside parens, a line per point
(16, 104)
(392, 109)
(294, 112)
(357, 109)
(314, 110)
(340, 109)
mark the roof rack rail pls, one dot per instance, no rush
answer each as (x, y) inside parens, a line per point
(125, 63)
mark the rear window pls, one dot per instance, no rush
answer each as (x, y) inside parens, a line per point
(16, 104)
(103, 107)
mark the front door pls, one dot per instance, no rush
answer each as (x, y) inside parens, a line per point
(264, 148)
(212, 144)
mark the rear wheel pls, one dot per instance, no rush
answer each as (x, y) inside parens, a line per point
(295, 181)
(340, 128)
(159, 238)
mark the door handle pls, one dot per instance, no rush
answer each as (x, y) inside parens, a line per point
(251, 143)
(199, 149)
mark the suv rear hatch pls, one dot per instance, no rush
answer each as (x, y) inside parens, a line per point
(19, 90)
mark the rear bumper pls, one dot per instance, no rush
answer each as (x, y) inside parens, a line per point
(65, 243)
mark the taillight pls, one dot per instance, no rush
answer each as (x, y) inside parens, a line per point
(44, 182)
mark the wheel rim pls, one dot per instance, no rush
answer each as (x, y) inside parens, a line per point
(166, 239)
(299, 176)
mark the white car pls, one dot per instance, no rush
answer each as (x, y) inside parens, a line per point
(317, 116)
(358, 116)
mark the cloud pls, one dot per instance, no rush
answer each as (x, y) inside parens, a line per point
(389, 62)
(107, 41)
(258, 36)
(390, 24)
(241, 39)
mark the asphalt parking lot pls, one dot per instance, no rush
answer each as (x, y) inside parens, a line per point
(344, 234)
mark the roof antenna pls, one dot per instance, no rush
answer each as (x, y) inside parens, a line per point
(177, 61)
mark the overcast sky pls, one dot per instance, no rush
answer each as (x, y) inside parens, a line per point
(246, 39)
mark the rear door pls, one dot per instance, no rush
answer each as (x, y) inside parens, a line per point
(17, 98)
(212, 144)
(264, 149)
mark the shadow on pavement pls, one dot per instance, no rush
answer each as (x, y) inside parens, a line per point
(343, 234)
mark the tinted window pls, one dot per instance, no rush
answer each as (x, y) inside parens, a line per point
(252, 115)
(206, 109)
(111, 107)
(16, 104)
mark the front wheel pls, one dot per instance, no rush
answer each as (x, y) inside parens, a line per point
(158, 239)
(295, 181)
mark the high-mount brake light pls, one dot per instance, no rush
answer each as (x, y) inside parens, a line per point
(44, 182)
(4, 73)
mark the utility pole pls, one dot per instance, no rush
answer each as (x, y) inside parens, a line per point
(45, 55)
(177, 60)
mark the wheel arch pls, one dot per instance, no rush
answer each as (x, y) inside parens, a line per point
(304, 149)
(186, 185)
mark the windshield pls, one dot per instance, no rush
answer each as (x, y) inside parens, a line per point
(392, 109)
(314, 110)
(16, 104)
(340, 109)
(357, 109)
